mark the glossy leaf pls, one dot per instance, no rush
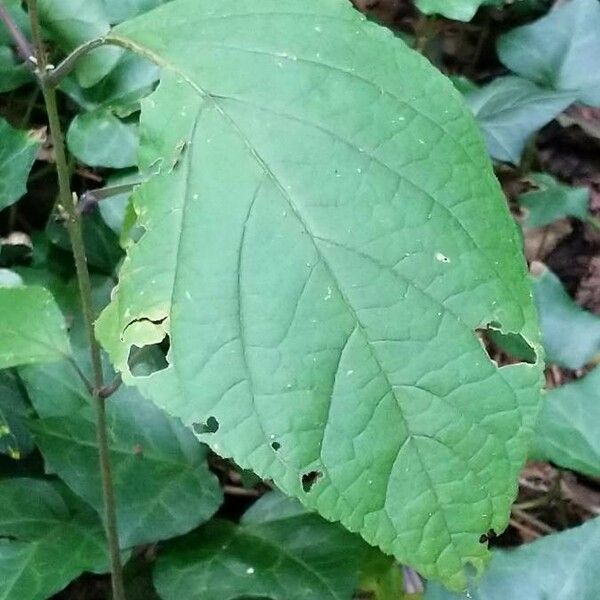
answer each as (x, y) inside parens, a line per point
(52, 539)
(568, 428)
(18, 150)
(161, 480)
(15, 440)
(317, 248)
(510, 110)
(100, 139)
(570, 334)
(32, 328)
(561, 566)
(559, 50)
(279, 552)
(551, 200)
(74, 22)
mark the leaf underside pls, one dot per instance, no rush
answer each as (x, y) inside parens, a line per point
(318, 250)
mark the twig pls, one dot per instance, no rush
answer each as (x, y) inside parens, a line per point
(22, 44)
(90, 199)
(541, 526)
(58, 73)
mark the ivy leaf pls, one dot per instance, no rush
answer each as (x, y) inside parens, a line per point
(559, 50)
(571, 335)
(53, 539)
(161, 479)
(15, 440)
(100, 139)
(551, 200)
(18, 151)
(32, 328)
(461, 10)
(567, 428)
(558, 567)
(317, 249)
(279, 551)
(74, 22)
(510, 110)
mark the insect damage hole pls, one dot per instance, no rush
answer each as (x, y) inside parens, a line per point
(309, 480)
(275, 446)
(505, 348)
(211, 426)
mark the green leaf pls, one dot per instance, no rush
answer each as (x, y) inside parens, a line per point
(568, 428)
(317, 248)
(53, 540)
(21, 19)
(571, 335)
(560, 566)
(100, 139)
(15, 440)
(278, 552)
(161, 480)
(461, 10)
(559, 50)
(72, 23)
(121, 10)
(117, 211)
(32, 328)
(18, 151)
(510, 110)
(551, 200)
(13, 74)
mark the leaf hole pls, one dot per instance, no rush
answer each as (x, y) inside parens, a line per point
(211, 426)
(505, 348)
(309, 480)
(275, 446)
(146, 360)
(484, 538)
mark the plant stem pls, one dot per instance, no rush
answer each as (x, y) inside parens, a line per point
(68, 204)
(21, 42)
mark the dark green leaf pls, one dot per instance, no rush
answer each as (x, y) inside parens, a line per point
(15, 440)
(13, 73)
(560, 50)
(510, 110)
(18, 151)
(121, 10)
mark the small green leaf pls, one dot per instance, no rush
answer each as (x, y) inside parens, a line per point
(316, 246)
(72, 23)
(510, 110)
(32, 328)
(53, 539)
(15, 440)
(568, 428)
(551, 200)
(13, 73)
(161, 479)
(561, 566)
(100, 139)
(571, 335)
(461, 10)
(279, 551)
(559, 50)
(18, 151)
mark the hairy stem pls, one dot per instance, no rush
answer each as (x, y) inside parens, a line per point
(69, 205)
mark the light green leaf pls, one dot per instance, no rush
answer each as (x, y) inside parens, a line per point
(72, 23)
(278, 552)
(100, 139)
(53, 540)
(18, 150)
(571, 335)
(13, 74)
(161, 480)
(461, 10)
(117, 211)
(559, 50)
(15, 440)
(551, 200)
(32, 328)
(561, 566)
(510, 110)
(121, 10)
(568, 428)
(317, 248)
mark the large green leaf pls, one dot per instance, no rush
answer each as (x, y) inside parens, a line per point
(53, 539)
(317, 248)
(279, 552)
(561, 566)
(120, 10)
(571, 335)
(568, 428)
(550, 200)
(162, 483)
(510, 110)
(559, 50)
(18, 151)
(74, 22)
(32, 328)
